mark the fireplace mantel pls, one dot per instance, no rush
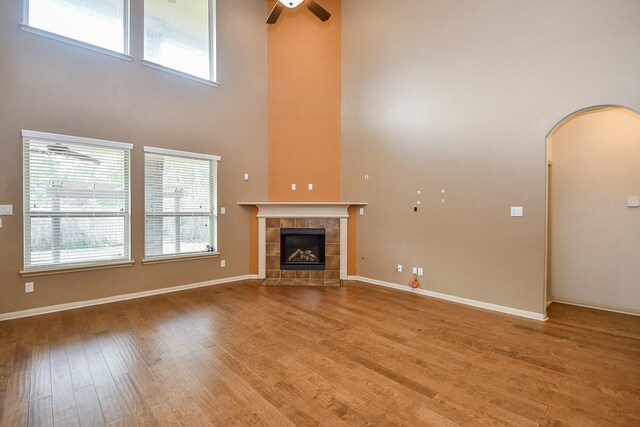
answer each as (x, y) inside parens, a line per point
(301, 210)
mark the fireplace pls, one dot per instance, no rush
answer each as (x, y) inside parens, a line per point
(302, 249)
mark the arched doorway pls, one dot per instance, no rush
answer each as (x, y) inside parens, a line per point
(593, 241)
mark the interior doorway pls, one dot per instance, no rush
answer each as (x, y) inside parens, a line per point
(593, 227)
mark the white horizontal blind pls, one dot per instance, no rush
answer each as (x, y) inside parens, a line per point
(76, 201)
(101, 23)
(180, 203)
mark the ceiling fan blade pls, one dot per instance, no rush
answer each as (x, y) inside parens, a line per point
(275, 12)
(317, 10)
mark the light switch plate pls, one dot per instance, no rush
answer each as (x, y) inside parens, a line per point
(517, 211)
(361, 211)
(223, 210)
(246, 177)
(633, 201)
(293, 187)
(223, 263)
(6, 209)
(310, 187)
(420, 271)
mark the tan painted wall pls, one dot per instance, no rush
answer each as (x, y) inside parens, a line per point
(304, 104)
(595, 237)
(461, 95)
(50, 86)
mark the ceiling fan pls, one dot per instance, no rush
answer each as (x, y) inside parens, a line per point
(314, 7)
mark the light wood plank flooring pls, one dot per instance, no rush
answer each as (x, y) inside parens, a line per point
(245, 355)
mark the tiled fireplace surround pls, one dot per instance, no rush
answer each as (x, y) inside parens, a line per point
(328, 277)
(333, 216)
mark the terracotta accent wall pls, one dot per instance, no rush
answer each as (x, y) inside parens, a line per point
(304, 69)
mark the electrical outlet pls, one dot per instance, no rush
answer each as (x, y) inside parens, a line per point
(0, 222)
(223, 263)
(246, 177)
(310, 187)
(415, 270)
(361, 211)
(29, 287)
(517, 211)
(6, 209)
(399, 270)
(293, 187)
(223, 211)
(420, 271)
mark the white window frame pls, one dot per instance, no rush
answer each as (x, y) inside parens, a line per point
(27, 214)
(213, 72)
(213, 208)
(79, 43)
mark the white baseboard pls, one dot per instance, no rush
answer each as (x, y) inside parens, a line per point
(78, 304)
(452, 298)
(596, 307)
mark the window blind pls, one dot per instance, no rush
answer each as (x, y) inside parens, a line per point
(180, 203)
(76, 201)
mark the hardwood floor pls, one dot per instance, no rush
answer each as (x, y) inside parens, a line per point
(239, 354)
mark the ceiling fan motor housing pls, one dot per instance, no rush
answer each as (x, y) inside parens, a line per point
(291, 3)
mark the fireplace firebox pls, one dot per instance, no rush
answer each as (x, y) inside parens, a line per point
(302, 249)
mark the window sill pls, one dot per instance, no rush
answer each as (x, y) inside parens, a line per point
(75, 269)
(176, 258)
(178, 73)
(75, 42)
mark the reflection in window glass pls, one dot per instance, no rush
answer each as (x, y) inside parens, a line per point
(177, 35)
(98, 22)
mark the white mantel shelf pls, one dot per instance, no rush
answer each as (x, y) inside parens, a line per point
(301, 210)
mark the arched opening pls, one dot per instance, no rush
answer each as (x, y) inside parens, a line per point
(593, 225)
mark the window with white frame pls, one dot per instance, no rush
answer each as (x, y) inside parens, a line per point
(102, 23)
(179, 35)
(180, 203)
(76, 201)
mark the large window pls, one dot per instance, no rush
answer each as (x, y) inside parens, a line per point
(179, 35)
(180, 203)
(76, 201)
(102, 23)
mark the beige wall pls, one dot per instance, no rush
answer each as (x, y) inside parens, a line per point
(49, 86)
(595, 237)
(460, 96)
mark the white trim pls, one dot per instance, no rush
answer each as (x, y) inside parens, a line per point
(302, 209)
(452, 298)
(116, 298)
(213, 48)
(178, 73)
(74, 139)
(344, 235)
(74, 42)
(178, 153)
(596, 307)
(262, 248)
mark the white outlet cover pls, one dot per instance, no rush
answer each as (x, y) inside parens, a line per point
(399, 268)
(293, 187)
(415, 270)
(420, 271)
(0, 222)
(28, 287)
(310, 187)
(246, 177)
(517, 211)
(361, 211)
(633, 201)
(6, 209)
(223, 263)
(223, 210)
